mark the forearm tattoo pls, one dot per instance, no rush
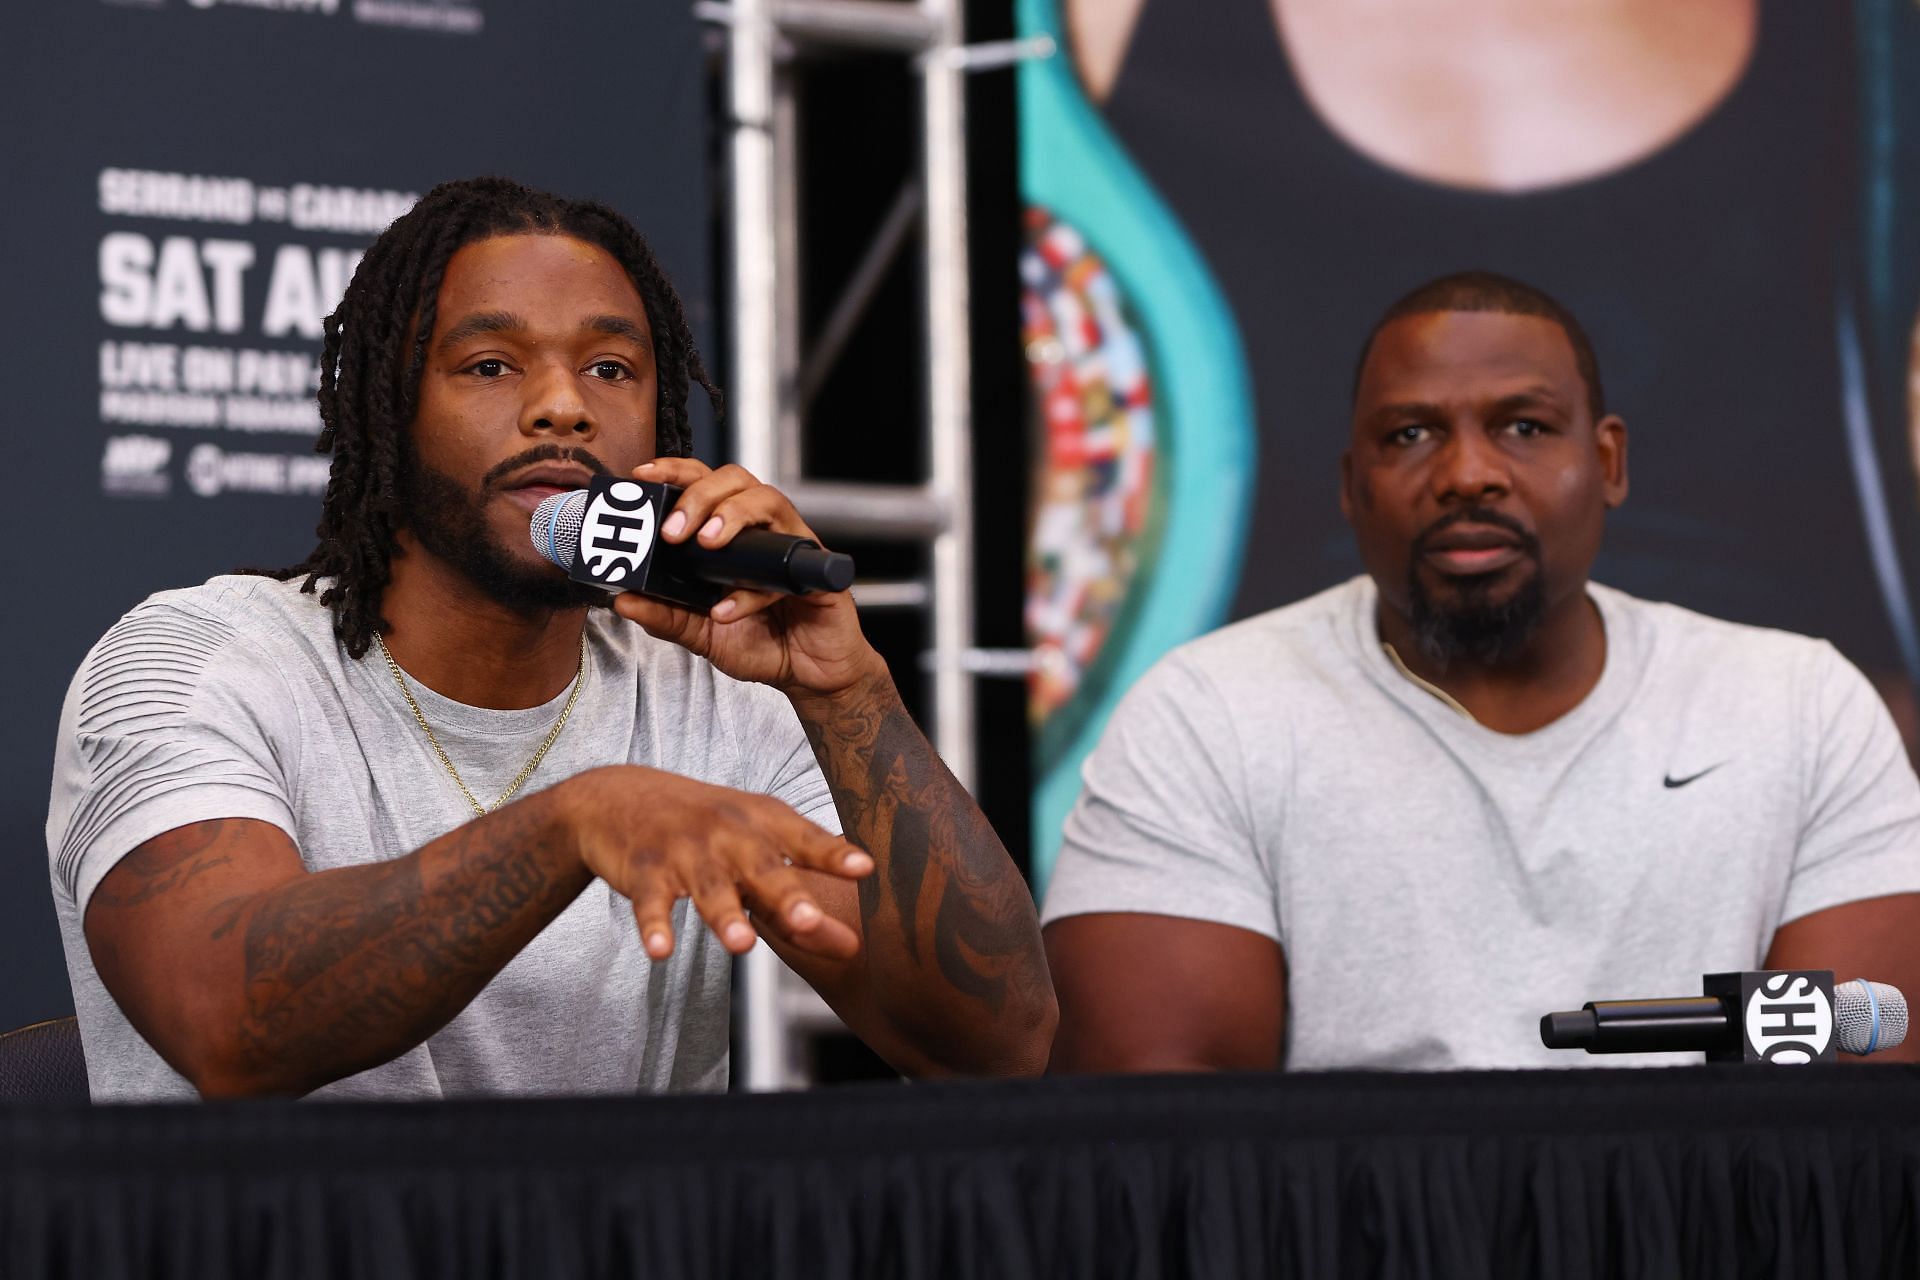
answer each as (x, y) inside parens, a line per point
(944, 891)
(349, 968)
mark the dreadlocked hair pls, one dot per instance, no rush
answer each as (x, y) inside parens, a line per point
(376, 347)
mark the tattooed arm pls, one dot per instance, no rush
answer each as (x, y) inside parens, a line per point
(952, 977)
(251, 975)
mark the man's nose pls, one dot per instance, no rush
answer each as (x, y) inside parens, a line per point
(1470, 467)
(554, 404)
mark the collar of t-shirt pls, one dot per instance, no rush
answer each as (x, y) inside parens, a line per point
(460, 719)
(1618, 676)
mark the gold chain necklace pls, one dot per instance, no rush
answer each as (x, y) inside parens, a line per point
(479, 810)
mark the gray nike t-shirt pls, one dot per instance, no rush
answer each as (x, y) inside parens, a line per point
(1437, 886)
(234, 700)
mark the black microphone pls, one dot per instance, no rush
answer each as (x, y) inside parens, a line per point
(1775, 1016)
(605, 535)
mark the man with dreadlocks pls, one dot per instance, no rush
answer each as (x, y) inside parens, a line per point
(415, 819)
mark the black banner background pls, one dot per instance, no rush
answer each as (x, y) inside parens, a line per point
(322, 106)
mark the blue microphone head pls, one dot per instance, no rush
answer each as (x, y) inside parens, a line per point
(1869, 1016)
(555, 527)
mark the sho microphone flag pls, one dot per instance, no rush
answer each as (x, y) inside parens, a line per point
(1774, 1016)
(608, 535)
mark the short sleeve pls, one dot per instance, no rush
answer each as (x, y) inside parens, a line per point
(1860, 835)
(169, 721)
(775, 757)
(1163, 824)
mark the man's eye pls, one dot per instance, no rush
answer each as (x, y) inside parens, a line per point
(611, 370)
(1408, 435)
(1528, 427)
(488, 368)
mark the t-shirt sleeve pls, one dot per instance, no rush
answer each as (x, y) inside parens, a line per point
(169, 721)
(1163, 824)
(775, 757)
(1860, 836)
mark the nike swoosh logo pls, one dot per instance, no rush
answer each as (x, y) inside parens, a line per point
(1673, 782)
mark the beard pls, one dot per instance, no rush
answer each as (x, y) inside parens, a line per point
(1479, 622)
(451, 523)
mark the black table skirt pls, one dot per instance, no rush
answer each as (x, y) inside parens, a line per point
(1730, 1172)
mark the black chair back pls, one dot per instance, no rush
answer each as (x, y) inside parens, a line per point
(43, 1063)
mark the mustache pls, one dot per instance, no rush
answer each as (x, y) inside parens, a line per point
(545, 453)
(1482, 516)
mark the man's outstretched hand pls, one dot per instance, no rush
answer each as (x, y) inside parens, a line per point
(658, 837)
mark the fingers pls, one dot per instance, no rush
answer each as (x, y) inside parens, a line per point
(703, 491)
(680, 471)
(760, 507)
(660, 619)
(728, 851)
(684, 627)
(743, 603)
(777, 895)
(811, 845)
(718, 902)
(716, 505)
(653, 913)
(818, 932)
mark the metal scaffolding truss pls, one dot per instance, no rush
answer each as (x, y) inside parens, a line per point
(772, 383)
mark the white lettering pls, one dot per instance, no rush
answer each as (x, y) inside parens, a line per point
(293, 295)
(160, 408)
(257, 413)
(188, 197)
(126, 290)
(276, 373)
(140, 364)
(134, 455)
(135, 466)
(212, 471)
(367, 212)
(228, 260)
(179, 290)
(427, 17)
(336, 273)
(207, 369)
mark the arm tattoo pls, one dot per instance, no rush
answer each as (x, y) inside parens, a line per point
(197, 849)
(944, 892)
(347, 969)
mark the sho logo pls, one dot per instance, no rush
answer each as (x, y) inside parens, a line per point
(136, 466)
(1789, 1019)
(616, 534)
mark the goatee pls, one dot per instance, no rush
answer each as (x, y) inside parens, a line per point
(1475, 626)
(1477, 623)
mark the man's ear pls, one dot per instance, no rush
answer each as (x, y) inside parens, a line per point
(1610, 441)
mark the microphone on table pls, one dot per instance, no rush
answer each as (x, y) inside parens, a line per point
(1774, 1016)
(605, 534)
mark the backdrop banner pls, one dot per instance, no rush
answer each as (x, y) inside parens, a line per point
(194, 181)
(1222, 199)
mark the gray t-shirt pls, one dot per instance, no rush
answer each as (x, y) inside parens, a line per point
(1437, 886)
(234, 700)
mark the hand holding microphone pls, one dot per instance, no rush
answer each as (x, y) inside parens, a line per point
(606, 535)
(721, 564)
